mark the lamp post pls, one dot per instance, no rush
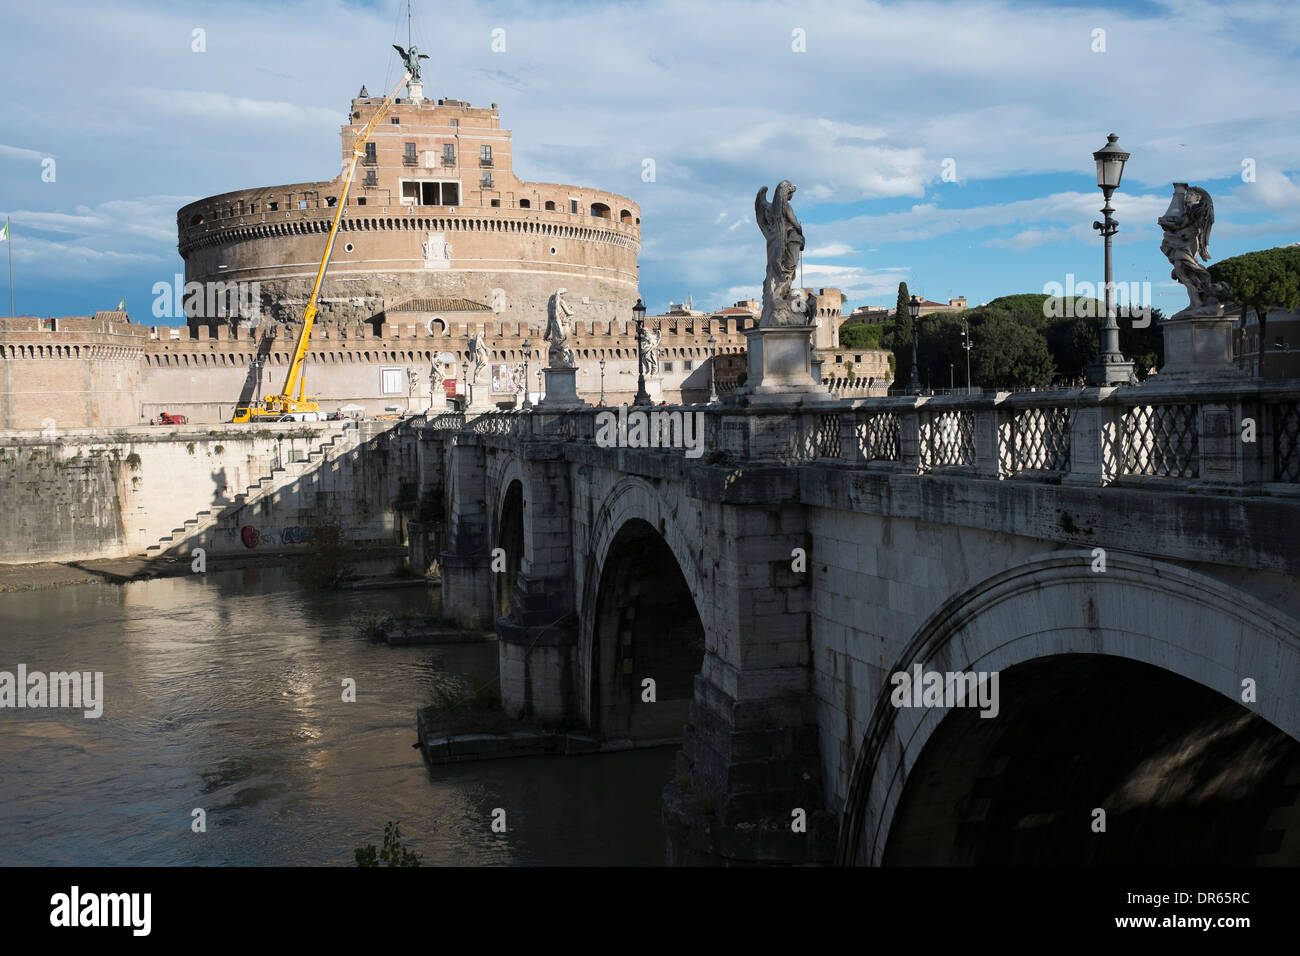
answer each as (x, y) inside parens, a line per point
(914, 309)
(966, 344)
(464, 372)
(1110, 367)
(952, 386)
(602, 381)
(540, 396)
(713, 387)
(527, 402)
(642, 396)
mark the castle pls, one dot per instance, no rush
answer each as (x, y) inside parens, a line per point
(436, 214)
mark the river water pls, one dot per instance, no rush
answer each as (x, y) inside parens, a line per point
(224, 692)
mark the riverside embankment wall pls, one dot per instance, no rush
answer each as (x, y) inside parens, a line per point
(111, 493)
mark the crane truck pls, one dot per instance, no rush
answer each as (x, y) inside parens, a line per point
(284, 405)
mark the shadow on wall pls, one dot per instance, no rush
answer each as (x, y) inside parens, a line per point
(359, 488)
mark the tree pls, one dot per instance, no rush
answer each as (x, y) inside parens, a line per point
(1266, 281)
(1010, 353)
(900, 339)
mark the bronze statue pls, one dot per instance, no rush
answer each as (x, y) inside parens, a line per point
(411, 58)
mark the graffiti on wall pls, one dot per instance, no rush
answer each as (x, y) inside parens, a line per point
(253, 537)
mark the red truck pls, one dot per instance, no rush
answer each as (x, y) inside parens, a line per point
(165, 418)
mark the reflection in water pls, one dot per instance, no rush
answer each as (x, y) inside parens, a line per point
(225, 692)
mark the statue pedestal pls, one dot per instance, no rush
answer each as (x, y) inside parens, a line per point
(780, 367)
(480, 398)
(415, 90)
(561, 389)
(1198, 347)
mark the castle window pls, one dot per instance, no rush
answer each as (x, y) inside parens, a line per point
(550, 205)
(486, 181)
(371, 157)
(687, 365)
(408, 157)
(448, 154)
(485, 155)
(395, 120)
(302, 204)
(600, 210)
(361, 200)
(573, 207)
(668, 366)
(525, 204)
(625, 216)
(496, 203)
(273, 206)
(371, 178)
(455, 124)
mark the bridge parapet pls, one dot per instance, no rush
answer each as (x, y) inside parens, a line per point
(1237, 436)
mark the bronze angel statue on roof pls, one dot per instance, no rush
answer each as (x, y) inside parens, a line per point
(411, 58)
(1187, 224)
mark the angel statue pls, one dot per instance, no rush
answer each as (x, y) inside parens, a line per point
(558, 316)
(411, 58)
(478, 354)
(649, 342)
(1187, 224)
(784, 235)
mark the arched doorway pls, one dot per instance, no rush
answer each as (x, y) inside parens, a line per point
(510, 539)
(1185, 776)
(646, 626)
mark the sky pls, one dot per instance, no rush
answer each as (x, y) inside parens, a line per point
(947, 145)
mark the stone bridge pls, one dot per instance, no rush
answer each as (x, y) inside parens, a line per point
(1124, 561)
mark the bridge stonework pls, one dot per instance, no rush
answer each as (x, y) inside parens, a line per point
(772, 588)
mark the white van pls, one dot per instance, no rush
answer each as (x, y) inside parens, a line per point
(301, 417)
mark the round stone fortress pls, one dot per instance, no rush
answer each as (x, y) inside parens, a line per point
(435, 213)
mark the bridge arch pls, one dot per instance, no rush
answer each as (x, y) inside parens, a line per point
(510, 539)
(639, 617)
(1024, 624)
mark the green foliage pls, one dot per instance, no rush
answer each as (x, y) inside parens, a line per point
(1267, 281)
(861, 335)
(392, 854)
(133, 461)
(1009, 352)
(901, 339)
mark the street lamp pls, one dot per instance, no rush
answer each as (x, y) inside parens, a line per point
(966, 344)
(713, 388)
(464, 372)
(1110, 367)
(527, 402)
(642, 396)
(602, 381)
(914, 309)
(540, 396)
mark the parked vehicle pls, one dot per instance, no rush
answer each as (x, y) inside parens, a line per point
(165, 418)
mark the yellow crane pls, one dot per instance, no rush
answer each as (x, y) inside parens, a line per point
(274, 407)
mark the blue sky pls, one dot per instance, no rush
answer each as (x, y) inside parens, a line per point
(1015, 95)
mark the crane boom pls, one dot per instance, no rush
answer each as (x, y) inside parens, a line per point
(276, 406)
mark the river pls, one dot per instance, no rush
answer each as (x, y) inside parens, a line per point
(224, 692)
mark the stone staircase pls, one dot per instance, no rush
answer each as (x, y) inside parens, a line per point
(196, 529)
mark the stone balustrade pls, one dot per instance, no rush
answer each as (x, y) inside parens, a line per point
(1243, 436)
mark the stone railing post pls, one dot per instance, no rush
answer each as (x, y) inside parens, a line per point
(850, 448)
(986, 440)
(1096, 447)
(909, 437)
(1226, 457)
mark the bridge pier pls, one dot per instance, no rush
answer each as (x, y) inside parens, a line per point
(466, 562)
(749, 785)
(538, 633)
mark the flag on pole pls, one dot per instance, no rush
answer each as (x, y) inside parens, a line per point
(4, 232)
(121, 306)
